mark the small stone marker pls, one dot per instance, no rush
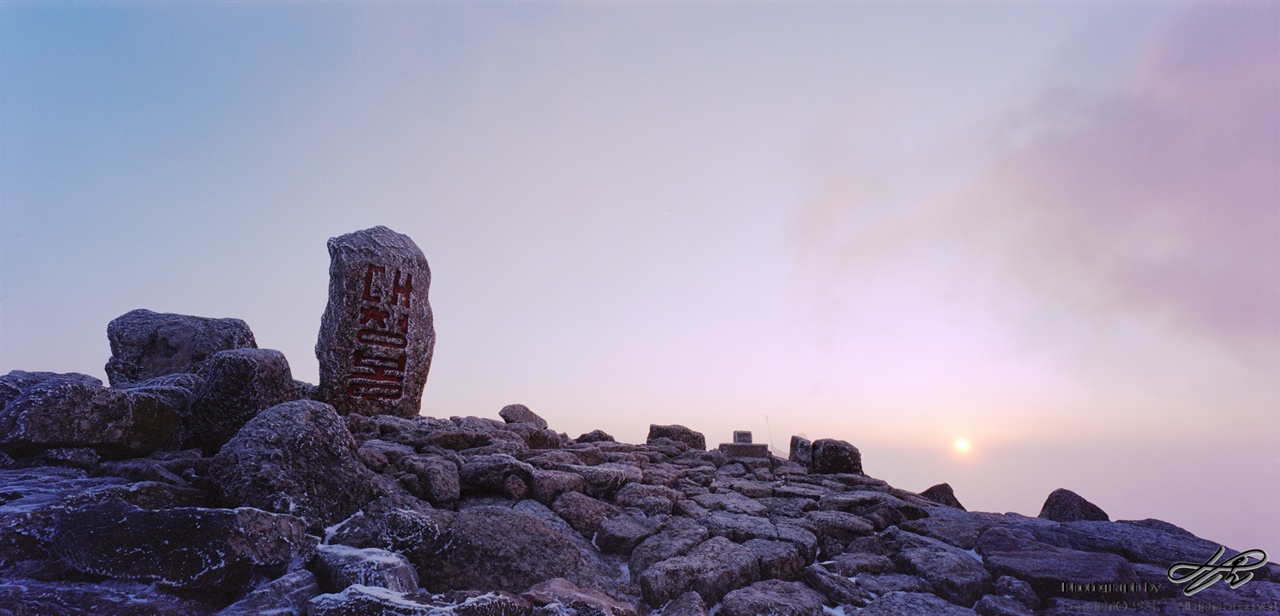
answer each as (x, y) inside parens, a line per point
(742, 447)
(376, 336)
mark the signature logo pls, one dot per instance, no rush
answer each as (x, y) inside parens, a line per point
(1236, 571)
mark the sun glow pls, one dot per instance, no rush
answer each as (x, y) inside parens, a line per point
(962, 445)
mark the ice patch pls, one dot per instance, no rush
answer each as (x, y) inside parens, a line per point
(624, 572)
(976, 556)
(834, 611)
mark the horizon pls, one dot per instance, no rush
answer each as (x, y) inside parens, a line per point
(1050, 230)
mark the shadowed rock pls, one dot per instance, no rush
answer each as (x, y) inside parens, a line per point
(943, 495)
(1066, 506)
(296, 458)
(74, 412)
(694, 440)
(519, 413)
(284, 596)
(376, 335)
(238, 384)
(146, 344)
(184, 547)
(831, 456)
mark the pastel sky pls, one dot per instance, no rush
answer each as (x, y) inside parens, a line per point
(1050, 228)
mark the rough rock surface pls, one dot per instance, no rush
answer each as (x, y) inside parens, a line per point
(63, 412)
(146, 344)
(1063, 505)
(295, 458)
(376, 335)
(238, 384)
(183, 547)
(304, 510)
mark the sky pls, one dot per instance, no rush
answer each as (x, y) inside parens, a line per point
(1050, 229)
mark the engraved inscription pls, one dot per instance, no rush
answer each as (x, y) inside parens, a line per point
(378, 361)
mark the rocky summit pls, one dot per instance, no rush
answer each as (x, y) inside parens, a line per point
(206, 480)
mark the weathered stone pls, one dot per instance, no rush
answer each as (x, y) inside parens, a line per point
(774, 597)
(535, 438)
(850, 564)
(621, 534)
(745, 450)
(26, 597)
(943, 495)
(359, 600)
(688, 604)
(238, 384)
(436, 479)
(295, 458)
(712, 569)
(898, 603)
(376, 336)
(680, 536)
(283, 596)
(777, 559)
(840, 525)
(731, 502)
(496, 474)
(695, 440)
(519, 413)
(956, 576)
(604, 480)
(146, 344)
(1049, 572)
(883, 583)
(582, 512)
(960, 530)
(184, 547)
(72, 457)
(74, 412)
(339, 566)
(831, 456)
(581, 601)
(595, 436)
(801, 452)
(1066, 506)
(17, 382)
(837, 589)
(495, 548)
(547, 486)
(1022, 592)
(995, 605)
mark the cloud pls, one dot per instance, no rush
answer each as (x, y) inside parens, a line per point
(1162, 198)
(1157, 200)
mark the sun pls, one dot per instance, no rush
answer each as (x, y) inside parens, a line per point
(962, 445)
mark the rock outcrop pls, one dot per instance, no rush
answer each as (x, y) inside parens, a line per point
(206, 480)
(376, 335)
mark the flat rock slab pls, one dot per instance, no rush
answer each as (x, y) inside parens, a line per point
(74, 412)
(182, 547)
(376, 335)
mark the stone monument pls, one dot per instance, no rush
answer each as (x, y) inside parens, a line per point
(376, 336)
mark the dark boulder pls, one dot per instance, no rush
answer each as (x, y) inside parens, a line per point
(295, 458)
(837, 588)
(595, 436)
(183, 547)
(495, 474)
(688, 604)
(943, 495)
(238, 384)
(621, 534)
(286, 595)
(1051, 571)
(831, 456)
(26, 597)
(695, 440)
(146, 344)
(774, 597)
(711, 569)
(1066, 506)
(801, 452)
(898, 603)
(565, 594)
(519, 413)
(73, 412)
(339, 566)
